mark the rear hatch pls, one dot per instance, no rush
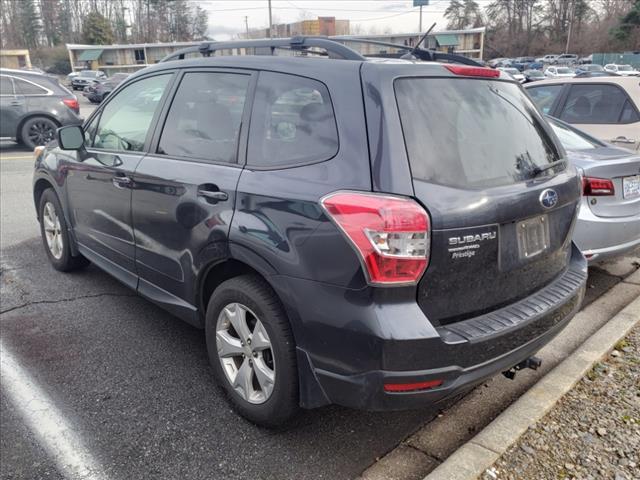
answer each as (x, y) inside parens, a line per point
(501, 222)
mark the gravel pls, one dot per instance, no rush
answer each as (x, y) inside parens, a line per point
(592, 433)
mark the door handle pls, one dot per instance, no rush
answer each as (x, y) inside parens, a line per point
(625, 140)
(15, 103)
(121, 181)
(218, 196)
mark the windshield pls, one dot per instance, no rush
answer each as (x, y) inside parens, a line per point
(570, 138)
(565, 70)
(512, 71)
(471, 133)
(535, 73)
(88, 74)
(593, 68)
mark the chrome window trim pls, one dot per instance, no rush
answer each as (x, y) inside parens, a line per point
(13, 78)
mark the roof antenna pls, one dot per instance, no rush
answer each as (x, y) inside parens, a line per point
(410, 55)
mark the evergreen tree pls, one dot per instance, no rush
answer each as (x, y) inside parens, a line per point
(30, 23)
(97, 30)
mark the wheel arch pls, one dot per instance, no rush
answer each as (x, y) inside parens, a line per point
(39, 187)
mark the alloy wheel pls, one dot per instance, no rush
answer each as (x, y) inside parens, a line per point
(41, 132)
(52, 230)
(245, 353)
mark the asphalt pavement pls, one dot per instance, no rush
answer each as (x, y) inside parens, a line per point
(131, 385)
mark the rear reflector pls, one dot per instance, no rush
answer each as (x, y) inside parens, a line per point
(468, 71)
(411, 387)
(72, 103)
(390, 234)
(597, 187)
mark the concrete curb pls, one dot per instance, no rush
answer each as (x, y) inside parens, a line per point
(473, 458)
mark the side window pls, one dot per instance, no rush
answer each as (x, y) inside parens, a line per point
(205, 115)
(292, 122)
(6, 88)
(544, 97)
(593, 104)
(27, 88)
(126, 119)
(629, 114)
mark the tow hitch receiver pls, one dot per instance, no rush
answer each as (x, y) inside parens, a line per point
(532, 362)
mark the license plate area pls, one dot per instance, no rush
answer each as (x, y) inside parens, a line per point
(631, 186)
(533, 236)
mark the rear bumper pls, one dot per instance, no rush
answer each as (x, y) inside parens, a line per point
(602, 237)
(408, 349)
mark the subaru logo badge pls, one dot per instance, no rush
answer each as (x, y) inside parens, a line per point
(549, 198)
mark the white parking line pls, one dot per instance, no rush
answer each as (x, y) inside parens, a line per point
(45, 421)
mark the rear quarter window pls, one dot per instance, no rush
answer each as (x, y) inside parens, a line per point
(471, 133)
(292, 123)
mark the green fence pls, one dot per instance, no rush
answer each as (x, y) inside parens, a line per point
(619, 58)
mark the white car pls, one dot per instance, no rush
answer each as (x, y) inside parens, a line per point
(547, 59)
(625, 70)
(559, 72)
(514, 72)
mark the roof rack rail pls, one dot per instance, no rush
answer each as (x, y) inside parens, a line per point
(423, 54)
(333, 46)
(301, 43)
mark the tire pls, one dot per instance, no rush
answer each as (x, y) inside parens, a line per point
(38, 131)
(261, 402)
(55, 236)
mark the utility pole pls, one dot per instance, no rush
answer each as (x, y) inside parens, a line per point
(572, 13)
(420, 27)
(246, 24)
(270, 25)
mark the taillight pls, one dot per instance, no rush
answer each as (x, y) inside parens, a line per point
(390, 234)
(72, 103)
(597, 187)
(469, 71)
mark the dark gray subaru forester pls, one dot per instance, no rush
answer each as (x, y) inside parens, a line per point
(378, 234)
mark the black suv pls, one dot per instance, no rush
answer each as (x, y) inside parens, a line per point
(378, 234)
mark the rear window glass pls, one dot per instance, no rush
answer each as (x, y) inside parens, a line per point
(471, 133)
(570, 138)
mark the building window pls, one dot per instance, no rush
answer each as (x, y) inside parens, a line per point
(139, 53)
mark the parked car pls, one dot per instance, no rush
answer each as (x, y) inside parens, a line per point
(586, 60)
(327, 258)
(513, 73)
(609, 219)
(71, 76)
(547, 59)
(100, 89)
(497, 62)
(85, 77)
(608, 108)
(33, 106)
(559, 72)
(522, 63)
(566, 59)
(596, 74)
(589, 67)
(624, 70)
(533, 75)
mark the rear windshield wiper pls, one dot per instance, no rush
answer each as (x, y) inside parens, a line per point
(535, 171)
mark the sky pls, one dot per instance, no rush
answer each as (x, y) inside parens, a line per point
(226, 17)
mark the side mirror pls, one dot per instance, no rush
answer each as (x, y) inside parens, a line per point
(70, 137)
